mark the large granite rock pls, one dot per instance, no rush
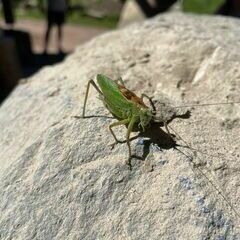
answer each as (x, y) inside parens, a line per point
(60, 179)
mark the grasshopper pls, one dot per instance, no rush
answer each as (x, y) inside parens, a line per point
(124, 105)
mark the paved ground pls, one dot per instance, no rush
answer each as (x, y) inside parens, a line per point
(73, 35)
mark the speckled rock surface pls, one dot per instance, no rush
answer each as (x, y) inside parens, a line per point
(59, 177)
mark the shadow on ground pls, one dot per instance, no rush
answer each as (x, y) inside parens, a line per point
(40, 60)
(34, 64)
(154, 135)
(17, 60)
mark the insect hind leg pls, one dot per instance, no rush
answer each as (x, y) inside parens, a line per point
(90, 82)
(130, 127)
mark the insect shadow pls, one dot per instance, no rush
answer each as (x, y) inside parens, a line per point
(155, 135)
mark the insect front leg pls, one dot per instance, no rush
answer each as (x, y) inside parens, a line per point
(167, 129)
(86, 95)
(122, 122)
(150, 100)
(129, 130)
(130, 127)
(176, 136)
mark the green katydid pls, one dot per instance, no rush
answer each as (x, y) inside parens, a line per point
(124, 105)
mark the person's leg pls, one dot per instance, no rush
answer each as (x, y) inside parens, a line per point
(60, 22)
(47, 34)
(48, 31)
(8, 12)
(60, 36)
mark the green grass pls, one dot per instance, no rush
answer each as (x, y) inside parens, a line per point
(81, 19)
(201, 6)
(76, 18)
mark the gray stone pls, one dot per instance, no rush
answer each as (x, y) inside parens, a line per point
(59, 177)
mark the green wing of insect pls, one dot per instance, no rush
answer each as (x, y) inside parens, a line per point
(116, 103)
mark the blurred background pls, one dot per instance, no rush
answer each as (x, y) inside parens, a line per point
(36, 33)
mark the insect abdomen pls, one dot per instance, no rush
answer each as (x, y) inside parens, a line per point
(117, 110)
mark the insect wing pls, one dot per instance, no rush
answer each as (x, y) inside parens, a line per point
(117, 104)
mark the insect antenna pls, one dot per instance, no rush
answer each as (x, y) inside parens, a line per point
(197, 150)
(215, 186)
(201, 104)
(206, 104)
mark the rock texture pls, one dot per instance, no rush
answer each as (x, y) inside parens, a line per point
(59, 177)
